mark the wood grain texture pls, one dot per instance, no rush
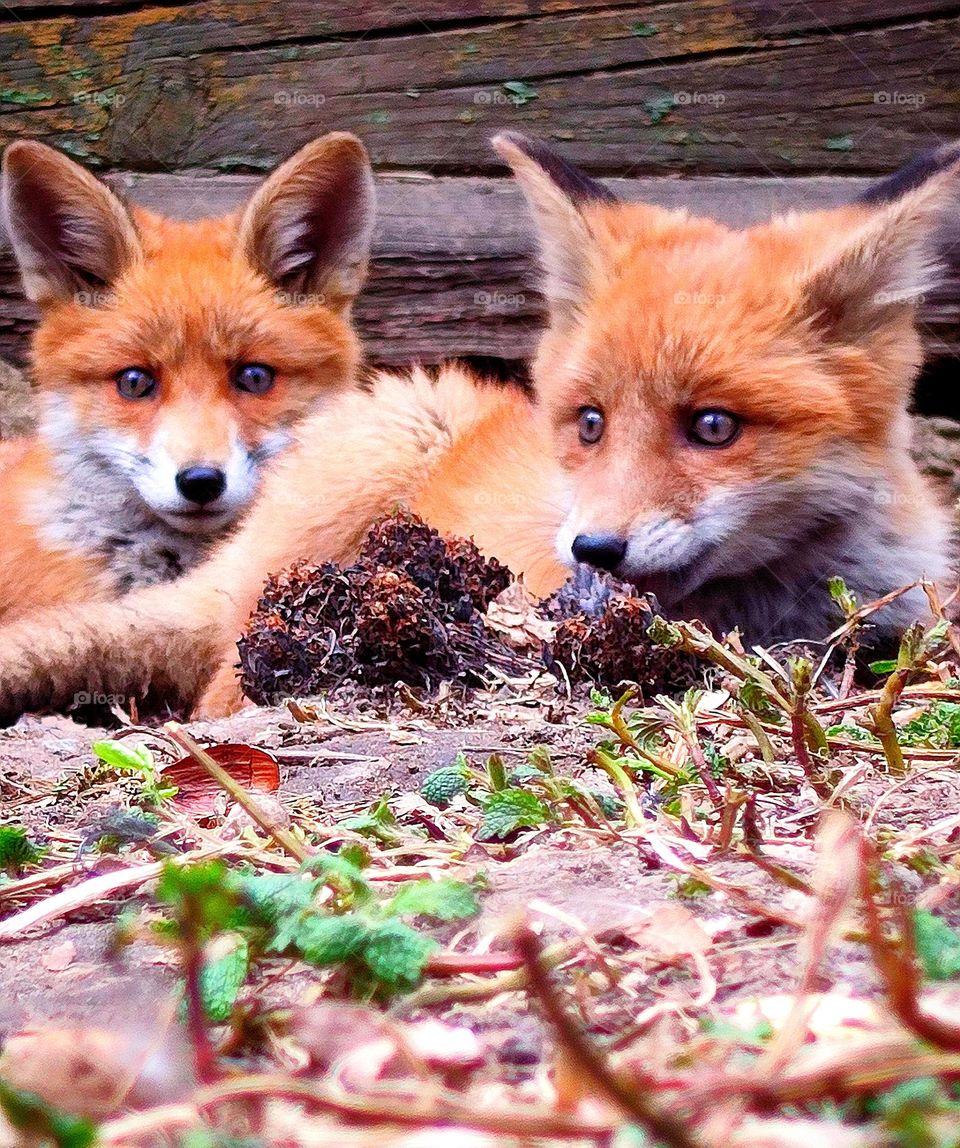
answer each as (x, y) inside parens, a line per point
(453, 273)
(696, 85)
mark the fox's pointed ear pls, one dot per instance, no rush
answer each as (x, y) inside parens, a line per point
(556, 193)
(70, 234)
(309, 227)
(883, 265)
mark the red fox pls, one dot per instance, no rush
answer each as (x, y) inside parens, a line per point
(172, 361)
(720, 417)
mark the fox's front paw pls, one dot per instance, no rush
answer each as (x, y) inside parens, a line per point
(223, 696)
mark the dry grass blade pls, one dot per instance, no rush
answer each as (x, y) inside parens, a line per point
(236, 791)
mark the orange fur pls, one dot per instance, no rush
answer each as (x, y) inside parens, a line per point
(188, 302)
(802, 328)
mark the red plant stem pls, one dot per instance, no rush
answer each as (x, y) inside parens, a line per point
(896, 960)
(204, 1055)
(798, 734)
(453, 964)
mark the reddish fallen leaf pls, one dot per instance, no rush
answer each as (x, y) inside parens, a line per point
(254, 769)
(59, 957)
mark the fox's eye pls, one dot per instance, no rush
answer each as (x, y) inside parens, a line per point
(590, 425)
(713, 428)
(254, 378)
(136, 383)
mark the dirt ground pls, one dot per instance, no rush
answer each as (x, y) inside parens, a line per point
(700, 933)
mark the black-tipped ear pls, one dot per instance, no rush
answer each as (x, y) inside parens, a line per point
(558, 196)
(71, 235)
(913, 175)
(889, 262)
(575, 184)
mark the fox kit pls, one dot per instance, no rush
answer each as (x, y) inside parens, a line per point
(172, 362)
(720, 417)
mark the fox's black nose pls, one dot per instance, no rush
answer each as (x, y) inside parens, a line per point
(605, 551)
(201, 484)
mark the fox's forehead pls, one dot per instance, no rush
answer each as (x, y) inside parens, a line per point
(192, 291)
(687, 309)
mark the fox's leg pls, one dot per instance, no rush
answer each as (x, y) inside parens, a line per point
(354, 463)
(223, 695)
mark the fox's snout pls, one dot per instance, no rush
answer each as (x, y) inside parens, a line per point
(201, 484)
(604, 551)
(201, 493)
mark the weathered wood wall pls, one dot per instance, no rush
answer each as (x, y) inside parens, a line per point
(745, 106)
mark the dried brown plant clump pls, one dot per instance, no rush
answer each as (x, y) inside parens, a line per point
(455, 570)
(407, 611)
(601, 638)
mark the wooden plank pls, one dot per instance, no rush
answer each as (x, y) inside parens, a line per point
(705, 85)
(452, 271)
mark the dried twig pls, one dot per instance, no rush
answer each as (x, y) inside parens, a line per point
(665, 1126)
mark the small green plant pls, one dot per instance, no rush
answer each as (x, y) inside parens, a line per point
(328, 915)
(528, 796)
(917, 1113)
(378, 822)
(136, 760)
(40, 1123)
(937, 945)
(937, 728)
(519, 92)
(17, 851)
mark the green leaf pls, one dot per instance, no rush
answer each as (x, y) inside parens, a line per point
(340, 873)
(276, 895)
(610, 804)
(16, 849)
(658, 107)
(938, 946)
(39, 1121)
(524, 772)
(443, 900)
(520, 92)
(509, 810)
(377, 822)
(125, 755)
(397, 954)
(328, 940)
(497, 772)
(938, 727)
(752, 697)
(203, 891)
(887, 666)
(222, 979)
(446, 783)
